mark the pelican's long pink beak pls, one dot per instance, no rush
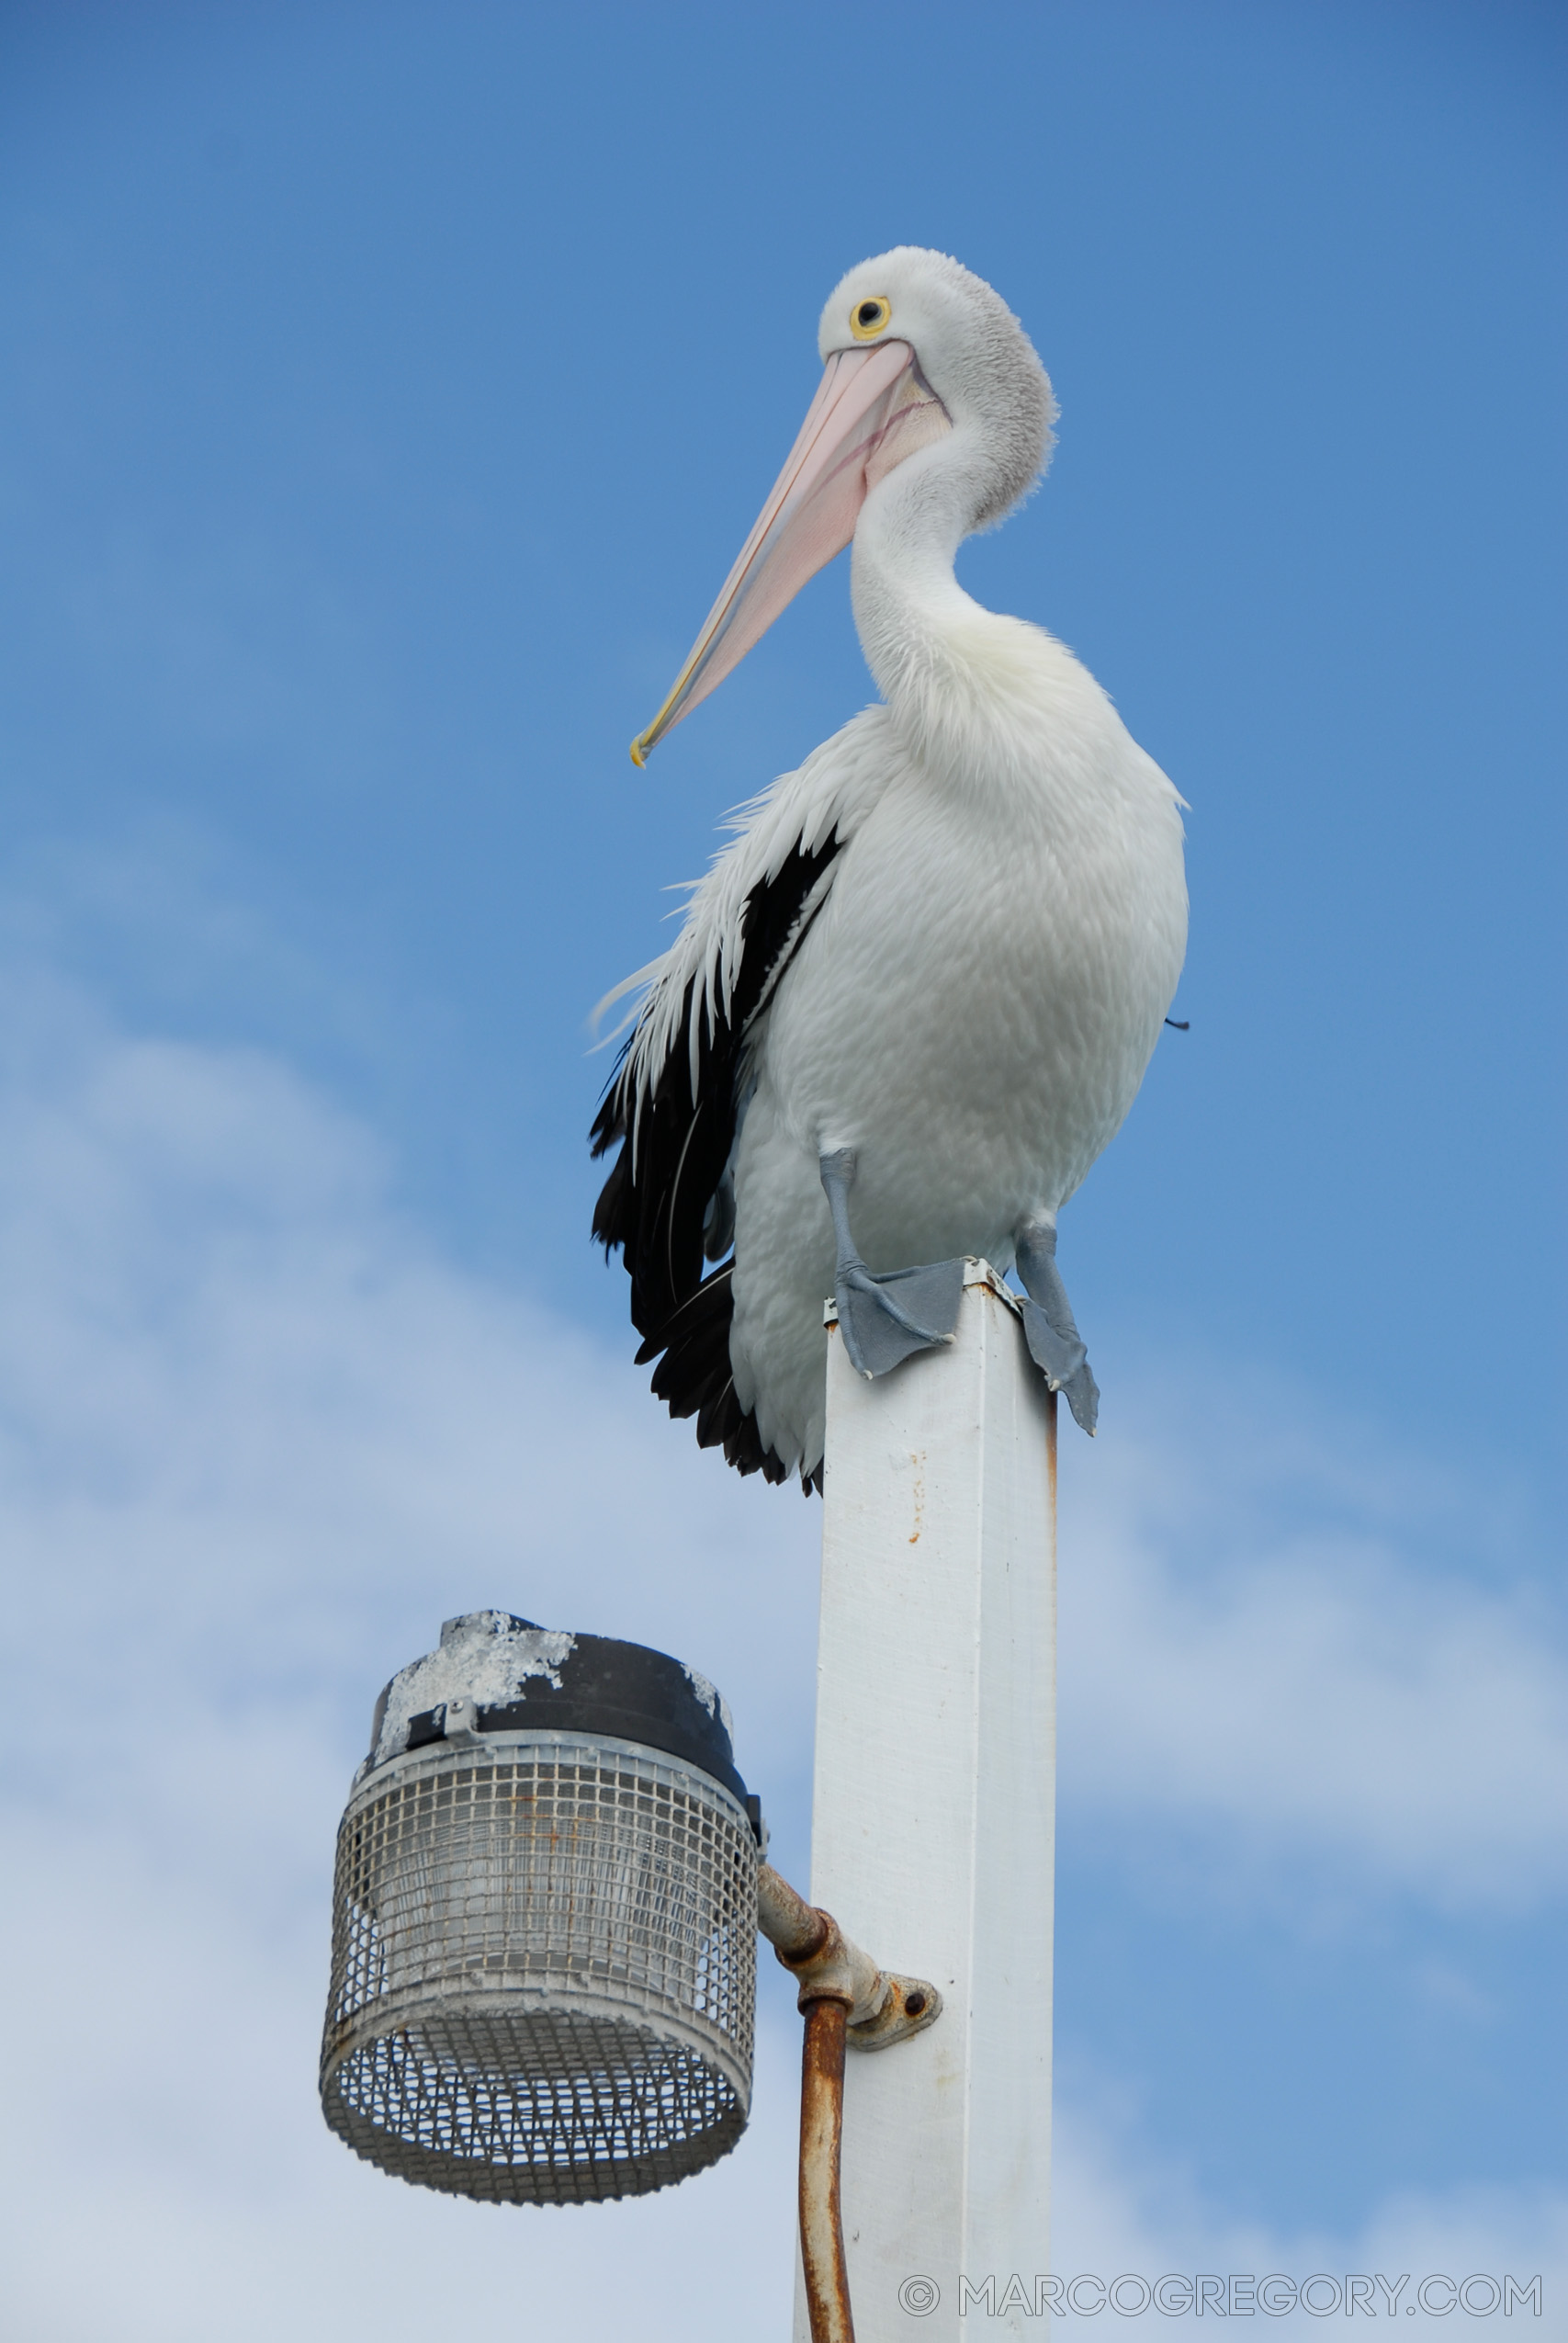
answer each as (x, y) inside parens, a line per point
(872, 409)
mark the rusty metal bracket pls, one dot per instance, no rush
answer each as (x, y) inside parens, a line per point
(909, 2007)
(845, 1999)
(883, 2007)
(836, 1971)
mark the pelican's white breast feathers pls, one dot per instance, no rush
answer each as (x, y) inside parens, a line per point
(691, 988)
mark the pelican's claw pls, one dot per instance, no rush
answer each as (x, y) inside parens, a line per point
(1055, 1343)
(884, 1317)
(878, 1332)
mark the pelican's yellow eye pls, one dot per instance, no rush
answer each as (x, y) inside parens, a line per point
(867, 319)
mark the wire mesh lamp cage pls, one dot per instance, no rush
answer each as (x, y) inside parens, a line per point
(544, 1922)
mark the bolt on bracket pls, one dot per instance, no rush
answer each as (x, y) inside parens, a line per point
(910, 2006)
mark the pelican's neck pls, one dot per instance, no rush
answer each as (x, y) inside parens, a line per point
(931, 647)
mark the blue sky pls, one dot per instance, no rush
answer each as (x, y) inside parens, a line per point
(386, 392)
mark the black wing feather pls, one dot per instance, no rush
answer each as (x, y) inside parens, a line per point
(656, 1212)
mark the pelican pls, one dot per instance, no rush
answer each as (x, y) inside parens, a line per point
(915, 996)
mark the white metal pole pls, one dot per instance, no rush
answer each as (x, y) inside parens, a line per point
(934, 1823)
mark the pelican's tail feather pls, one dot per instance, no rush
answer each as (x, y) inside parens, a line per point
(694, 1378)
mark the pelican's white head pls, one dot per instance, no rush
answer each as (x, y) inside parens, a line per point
(917, 356)
(972, 352)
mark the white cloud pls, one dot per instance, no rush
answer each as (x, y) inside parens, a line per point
(243, 1403)
(255, 1440)
(1116, 2211)
(1262, 1641)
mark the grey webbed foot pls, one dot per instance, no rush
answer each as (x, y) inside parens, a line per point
(884, 1316)
(1055, 1342)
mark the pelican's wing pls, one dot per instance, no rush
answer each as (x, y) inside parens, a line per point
(673, 1104)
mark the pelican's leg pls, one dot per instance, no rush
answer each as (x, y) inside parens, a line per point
(1054, 1339)
(884, 1318)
